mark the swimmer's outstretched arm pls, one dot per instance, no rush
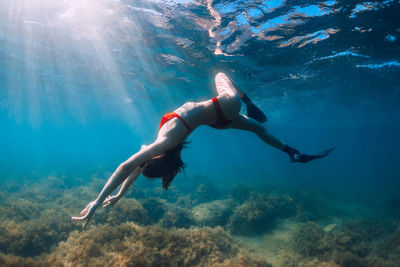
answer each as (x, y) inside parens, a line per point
(121, 173)
(112, 200)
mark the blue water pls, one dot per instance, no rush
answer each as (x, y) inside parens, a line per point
(84, 84)
(82, 87)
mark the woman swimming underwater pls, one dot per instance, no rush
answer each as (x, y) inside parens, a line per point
(163, 157)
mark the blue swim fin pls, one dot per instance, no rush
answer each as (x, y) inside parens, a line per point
(253, 111)
(296, 156)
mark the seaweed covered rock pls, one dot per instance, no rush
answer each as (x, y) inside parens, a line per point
(240, 192)
(12, 260)
(52, 185)
(350, 260)
(351, 238)
(311, 206)
(135, 192)
(32, 238)
(177, 217)
(213, 213)
(20, 210)
(389, 247)
(307, 262)
(126, 210)
(206, 192)
(356, 237)
(155, 208)
(308, 240)
(132, 245)
(355, 243)
(12, 237)
(171, 195)
(259, 214)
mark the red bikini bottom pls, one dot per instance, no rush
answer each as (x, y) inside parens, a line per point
(172, 115)
(222, 121)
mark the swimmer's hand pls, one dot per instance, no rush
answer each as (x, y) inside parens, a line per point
(87, 213)
(111, 201)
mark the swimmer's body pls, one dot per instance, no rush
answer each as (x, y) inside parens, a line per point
(162, 157)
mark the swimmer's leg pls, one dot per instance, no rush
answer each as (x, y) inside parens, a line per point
(244, 123)
(252, 110)
(226, 86)
(228, 96)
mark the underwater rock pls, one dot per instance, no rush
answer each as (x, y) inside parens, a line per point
(206, 192)
(20, 210)
(155, 208)
(330, 227)
(240, 192)
(213, 213)
(131, 245)
(351, 238)
(186, 201)
(126, 210)
(258, 215)
(389, 247)
(305, 262)
(308, 240)
(12, 237)
(135, 192)
(33, 190)
(32, 238)
(171, 195)
(12, 260)
(356, 237)
(40, 233)
(310, 206)
(52, 185)
(364, 242)
(177, 217)
(350, 260)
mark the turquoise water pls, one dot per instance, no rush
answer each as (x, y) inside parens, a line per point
(84, 84)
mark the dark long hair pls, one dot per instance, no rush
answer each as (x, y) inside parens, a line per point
(166, 165)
